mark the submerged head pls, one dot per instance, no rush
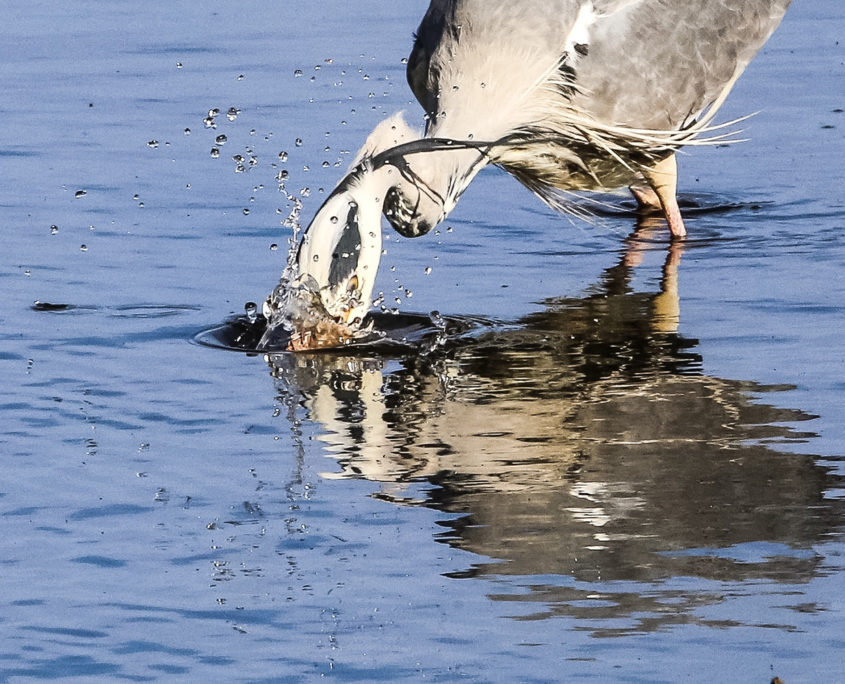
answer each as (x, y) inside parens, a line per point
(326, 291)
(339, 254)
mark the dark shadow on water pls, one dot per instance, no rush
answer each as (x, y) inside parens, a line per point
(580, 448)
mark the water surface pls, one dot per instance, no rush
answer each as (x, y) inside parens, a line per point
(613, 460)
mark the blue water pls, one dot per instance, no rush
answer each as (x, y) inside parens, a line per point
(625, 466)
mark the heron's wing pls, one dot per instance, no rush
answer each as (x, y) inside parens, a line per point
(656, 64)
(648, 64)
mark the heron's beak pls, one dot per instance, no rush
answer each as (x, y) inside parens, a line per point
(339, 254)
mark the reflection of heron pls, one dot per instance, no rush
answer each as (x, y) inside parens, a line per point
(585, 442)
(564, 94)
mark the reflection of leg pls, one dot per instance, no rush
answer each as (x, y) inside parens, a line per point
(663, 181)
(666, 307)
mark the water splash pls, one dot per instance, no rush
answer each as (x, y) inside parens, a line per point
(251, 311)
(295, 313)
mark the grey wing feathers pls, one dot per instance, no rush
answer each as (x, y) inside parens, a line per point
(649, 64)
(653, 66)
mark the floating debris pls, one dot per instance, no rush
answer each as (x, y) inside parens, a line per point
(48, 306)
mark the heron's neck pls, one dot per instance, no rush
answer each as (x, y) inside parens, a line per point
(427, 184)
(419, 181)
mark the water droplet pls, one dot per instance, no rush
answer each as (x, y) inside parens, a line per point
(333, 220)
(238, 158)
(428, 270)
(136, 197)
(213, 112)
(80, 193)
(178, 65)
(438, 320)
(251, 310)
(187, 131)
(315, 258)
(283, 156)
(246, 212)
(221, 139)
(232, 114)
(298, 142)
(83, 248)
(54, 230)
(274, 247)
(215, 152)
(152, 143)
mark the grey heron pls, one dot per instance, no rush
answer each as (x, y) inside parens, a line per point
(566, 95)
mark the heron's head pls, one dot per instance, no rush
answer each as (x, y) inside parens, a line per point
(328, 288)
(339, 254)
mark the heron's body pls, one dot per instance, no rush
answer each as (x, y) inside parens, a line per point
(588, 95)
(564, 94)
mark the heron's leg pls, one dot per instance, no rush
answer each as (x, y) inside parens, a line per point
(663, 179)
(647, 199)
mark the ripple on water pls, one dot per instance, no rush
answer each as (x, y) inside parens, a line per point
(392, 333)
